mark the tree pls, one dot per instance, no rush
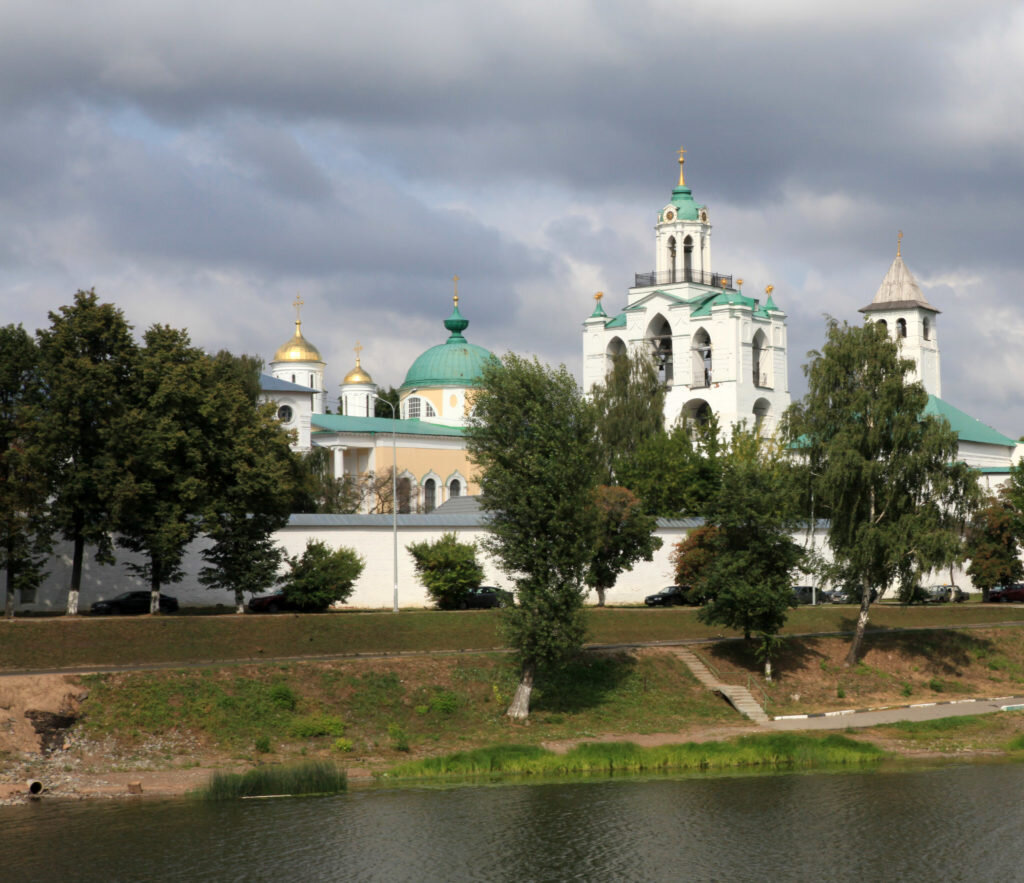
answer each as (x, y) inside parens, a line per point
(321, 576)
(382, 410)
(690, 557)
(86, 356)
(324, 493)
(24, 472)
(531, 435)
(159, 495)
(624, 535)
(629, 409)
(993, 546)
(751, 555)
(447, 568)
(254, 481)
(676, 472)
(883, 473)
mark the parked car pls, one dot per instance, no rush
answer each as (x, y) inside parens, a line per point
(130, 603)
(1014, 592)
(485, 597)
(847, 596)
(937, 594)
(959, 595)
(668, 596)
(272, 603)
(809, 595)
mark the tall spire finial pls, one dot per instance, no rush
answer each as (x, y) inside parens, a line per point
(682, 159)
(359, 349)
(297, 303)
(899, 243)
(769, 289)
(455, 299)
(598, 296)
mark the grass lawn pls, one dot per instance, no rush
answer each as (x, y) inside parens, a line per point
(61, 642)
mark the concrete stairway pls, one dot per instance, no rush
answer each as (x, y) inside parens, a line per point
(739, 697)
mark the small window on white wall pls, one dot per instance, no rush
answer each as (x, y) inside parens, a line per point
(455, 488)
(415, 407)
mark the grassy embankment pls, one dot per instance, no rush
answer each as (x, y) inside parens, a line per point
(59, 642)
(776, 751)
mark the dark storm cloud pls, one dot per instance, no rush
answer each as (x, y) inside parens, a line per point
(219, 155)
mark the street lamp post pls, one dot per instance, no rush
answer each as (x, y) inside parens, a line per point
(394, 492)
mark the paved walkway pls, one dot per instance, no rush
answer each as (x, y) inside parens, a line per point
(923, 711)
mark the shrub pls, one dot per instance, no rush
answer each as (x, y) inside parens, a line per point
(262, 745)
(399, 741)
(321, 576)
(444, 702)
(282, 696)
(317, 725)
(447, 568)
(342, 745)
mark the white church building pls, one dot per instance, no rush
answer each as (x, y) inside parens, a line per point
(716, 348)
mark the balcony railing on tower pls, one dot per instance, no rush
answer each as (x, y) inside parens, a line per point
(670, 277)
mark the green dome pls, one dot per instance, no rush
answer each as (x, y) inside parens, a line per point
(456, 362)
(686, 208)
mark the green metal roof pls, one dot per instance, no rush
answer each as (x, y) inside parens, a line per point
(456, 362)
(965, 426)
(704, 302)
(618, 322)
(686, 208)
(379, 426)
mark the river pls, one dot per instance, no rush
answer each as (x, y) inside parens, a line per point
(948, 823)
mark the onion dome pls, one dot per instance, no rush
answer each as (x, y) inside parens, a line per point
(298, 349)
(456, 362)
(357, 374)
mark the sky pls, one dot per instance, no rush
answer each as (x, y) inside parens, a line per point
(201, 164)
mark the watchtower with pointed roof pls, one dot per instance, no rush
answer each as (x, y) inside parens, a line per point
(901, 306)
(717, 349)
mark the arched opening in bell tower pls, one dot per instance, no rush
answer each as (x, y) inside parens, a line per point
(758, 359)
(672, 258)
(615, 349)
(659, 338)
(696, 411)
(688, 259)
(700, 360)
(901, 327)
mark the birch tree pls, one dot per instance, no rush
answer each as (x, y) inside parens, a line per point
(882, 472)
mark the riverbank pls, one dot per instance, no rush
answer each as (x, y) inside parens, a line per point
(163, 733)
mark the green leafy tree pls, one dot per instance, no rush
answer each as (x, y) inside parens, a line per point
(382, 410)
(883, 473)
(677, 472)
(691, 556)
(624, 535)
(253, 483)
(86, 358)
(321, 576)
(629, 410)
(24, 471)
(159, 494)
(993, 545)
(447, 568)
(531, 436)
(751, 554)
(322, 492)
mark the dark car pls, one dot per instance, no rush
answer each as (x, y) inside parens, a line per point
(128, 603)
(485, 597)
(848, 595)
(808, 595)
(1014, 592)
(668, 596)
(270, 603)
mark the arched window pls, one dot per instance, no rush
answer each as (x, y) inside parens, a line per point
(926, 329)
(659, 335)
(455, 489)
(415, 408)
(901, 327)
(404, 495)
(284, 414)
(672, 258)
(762, 408)
(884, 324)
(293, 378)
(759, 364)
(700, 360)
(615, 349)
(688, 259)
(429, 495)
(696, 411)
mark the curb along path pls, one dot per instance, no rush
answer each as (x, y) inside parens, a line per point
(739, 697)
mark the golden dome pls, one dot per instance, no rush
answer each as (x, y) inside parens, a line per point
(357, 374)
(298, 349)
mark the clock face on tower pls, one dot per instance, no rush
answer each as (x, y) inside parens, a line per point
(670, 215)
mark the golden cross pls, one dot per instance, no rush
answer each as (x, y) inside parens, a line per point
(899, 243)
(297, 303)
(455, 279)
(359, 349)
(682, 159)
(769, 290)
(598, 296)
